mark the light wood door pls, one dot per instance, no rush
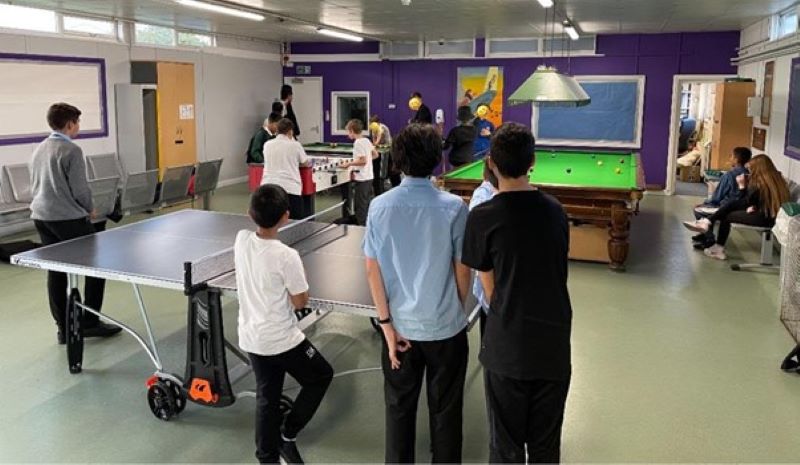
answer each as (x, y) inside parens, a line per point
(177, 134)
(732, 127)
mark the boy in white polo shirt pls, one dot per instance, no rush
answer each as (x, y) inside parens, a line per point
(271, 284)
(283, 157)
(363, 152)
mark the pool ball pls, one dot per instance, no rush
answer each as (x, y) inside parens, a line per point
(569, 170)
(552, 155)
(618, 170)
(622, 160)
(600, 163)
(334, 145)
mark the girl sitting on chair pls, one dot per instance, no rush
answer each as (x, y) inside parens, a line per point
(761, 195)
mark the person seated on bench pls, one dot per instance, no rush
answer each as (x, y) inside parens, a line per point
(726, 191)
(761, 195)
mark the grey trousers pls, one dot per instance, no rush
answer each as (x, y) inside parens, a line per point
(363, 196)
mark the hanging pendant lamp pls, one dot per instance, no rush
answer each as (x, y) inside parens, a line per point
(547, 87)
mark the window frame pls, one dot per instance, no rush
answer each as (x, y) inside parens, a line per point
(113, 35)
(335, 131)
(212, 38)
(136, 42)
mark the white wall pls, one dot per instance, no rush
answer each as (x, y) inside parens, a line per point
(776, 130)
(234, 91)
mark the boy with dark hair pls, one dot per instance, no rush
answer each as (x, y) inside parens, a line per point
(271, 284)
(283, 157)
(266, 132)
(287, 94)
(419, 287)
(518, 241)
(363, 153)
(62, 209)
(461, 139)
(726, 191)
(423, 113)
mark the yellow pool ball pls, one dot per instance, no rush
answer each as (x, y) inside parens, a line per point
(618, 170)
(600, 163)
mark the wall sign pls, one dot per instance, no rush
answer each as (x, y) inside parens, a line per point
(303, 70)
(760, 138)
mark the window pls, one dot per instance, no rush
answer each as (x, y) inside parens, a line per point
(347, 106)
(33, 19)
(786, 23)
(452, 48)
(557, 47)
(154, 35)
(512, 47)
(98, 27)
(195, 40)
(401, 50)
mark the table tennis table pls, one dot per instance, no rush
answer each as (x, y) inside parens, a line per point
(192, 251)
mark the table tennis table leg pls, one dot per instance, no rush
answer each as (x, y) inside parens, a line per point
(72, 326)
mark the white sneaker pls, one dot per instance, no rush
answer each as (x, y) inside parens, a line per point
(706, 210)
(702, 225)
(716, 251)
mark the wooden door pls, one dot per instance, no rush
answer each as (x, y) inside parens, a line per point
(177, 138)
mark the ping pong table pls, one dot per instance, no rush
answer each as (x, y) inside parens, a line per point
(192, 251)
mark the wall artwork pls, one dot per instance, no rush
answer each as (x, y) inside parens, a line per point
(481, 85)
(792, 147)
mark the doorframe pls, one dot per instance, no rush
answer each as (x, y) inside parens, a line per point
(675, 119)
(288, 80)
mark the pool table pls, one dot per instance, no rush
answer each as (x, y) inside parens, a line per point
(596, 188)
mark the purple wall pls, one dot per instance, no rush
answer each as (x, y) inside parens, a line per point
(659, 57)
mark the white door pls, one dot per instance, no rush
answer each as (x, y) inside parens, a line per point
(307, 104)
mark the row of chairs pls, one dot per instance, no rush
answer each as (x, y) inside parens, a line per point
(114, 191)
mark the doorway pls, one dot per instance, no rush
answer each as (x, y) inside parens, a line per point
(307, 104)
(691, 133)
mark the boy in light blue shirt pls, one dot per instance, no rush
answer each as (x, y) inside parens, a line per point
(413, 247)
(483, 193)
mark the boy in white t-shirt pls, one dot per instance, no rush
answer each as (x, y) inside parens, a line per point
(271, 284)
(283, 157)
(363, 152)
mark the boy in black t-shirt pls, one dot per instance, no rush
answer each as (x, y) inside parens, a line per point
(518, 241)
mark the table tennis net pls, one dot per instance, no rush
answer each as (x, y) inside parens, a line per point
(305, 237)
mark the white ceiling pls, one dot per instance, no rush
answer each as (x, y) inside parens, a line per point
(435, 19)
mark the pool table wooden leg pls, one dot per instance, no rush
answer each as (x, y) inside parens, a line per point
(618, 241)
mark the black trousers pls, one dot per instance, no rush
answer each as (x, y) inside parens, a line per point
(443, 364)
(525, 414)
(363, 196)
(736, 212)
(297, 208)
(314, 374)
(52, 232)
(377, 181)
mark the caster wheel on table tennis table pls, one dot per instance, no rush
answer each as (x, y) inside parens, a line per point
(162, 402)
(177, 391)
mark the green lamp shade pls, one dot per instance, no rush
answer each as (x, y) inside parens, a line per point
(547, 87)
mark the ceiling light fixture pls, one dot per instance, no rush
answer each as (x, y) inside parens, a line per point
(546, 3)
(340, 35)
(571, 31)
(221, 9)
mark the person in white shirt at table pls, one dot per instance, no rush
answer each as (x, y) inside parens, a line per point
(362, 173)
(283, 157)
(271, 283)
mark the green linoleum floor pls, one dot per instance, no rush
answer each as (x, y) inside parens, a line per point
(674, 361)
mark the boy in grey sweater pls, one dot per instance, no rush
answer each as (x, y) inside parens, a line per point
(62, 209)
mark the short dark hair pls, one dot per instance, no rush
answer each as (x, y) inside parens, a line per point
(268, 204)
(277, 107)
(489, 175)
(417, 150)
(61, 114)
(512, 150)
(355, 125)
(285, 125)
(274, 117)
(374, 119)
(742, 155)
(286, 91)
(416, 94)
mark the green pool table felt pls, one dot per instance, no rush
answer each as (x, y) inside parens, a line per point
(578, 169)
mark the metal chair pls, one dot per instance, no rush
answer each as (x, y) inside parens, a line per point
(206, 177)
